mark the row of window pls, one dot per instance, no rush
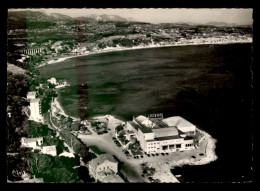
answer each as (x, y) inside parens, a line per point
(152, 147)
(188, 145)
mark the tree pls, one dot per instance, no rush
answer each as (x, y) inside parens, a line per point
(41, 163)
(84, 153)
(38, 129)
(60, 175)
(119, 128)
(83, 173)
(46, 99)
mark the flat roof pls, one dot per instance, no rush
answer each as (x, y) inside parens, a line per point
(31, 93)
(178, 122)
(35, 100)
(30, 140)
(165, 132)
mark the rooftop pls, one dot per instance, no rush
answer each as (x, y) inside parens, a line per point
(141, 118)
(67, 154)
(134, 125)
(177, 121)
(35, 100)
(49, 148)
(30, 140)
(102, 158)
(31, 95)
(142, 127)
(164, 132)
(113, 178)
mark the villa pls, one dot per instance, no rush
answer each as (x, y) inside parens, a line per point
(104, 168)
(49, 150)
(34, 143)
(159, 135)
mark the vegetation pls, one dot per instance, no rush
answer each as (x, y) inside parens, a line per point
(122, 138)
(54, 168)
(78, 147)
(147, 171)
(35, 129)
(46, 98)
(99, 127)
(119, 128)
(135, 148)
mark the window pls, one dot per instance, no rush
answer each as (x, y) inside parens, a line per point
(164, 147)
(178, 146)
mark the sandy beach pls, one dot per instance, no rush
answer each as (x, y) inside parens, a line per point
(118, 48)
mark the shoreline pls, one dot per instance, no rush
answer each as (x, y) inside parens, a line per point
(210, 154)
(56, 103)
(117, 49)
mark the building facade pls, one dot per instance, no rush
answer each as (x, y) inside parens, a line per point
(35, 107)
(103, 166)
(158, 135)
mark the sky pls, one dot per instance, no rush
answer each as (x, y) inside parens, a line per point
(201, 16)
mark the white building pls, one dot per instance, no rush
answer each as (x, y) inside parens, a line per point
(31, 95)
(34, 143)
(102, 167)
(158, 135)
(52, 81)
(67, 154)
(49, 150)
(35, 107)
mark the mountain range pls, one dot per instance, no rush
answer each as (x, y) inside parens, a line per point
(36, 16)
(18, 17)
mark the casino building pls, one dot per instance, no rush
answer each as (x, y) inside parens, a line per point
(159, 135)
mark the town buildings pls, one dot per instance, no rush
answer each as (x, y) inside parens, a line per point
(37, 143)
(158, 135)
